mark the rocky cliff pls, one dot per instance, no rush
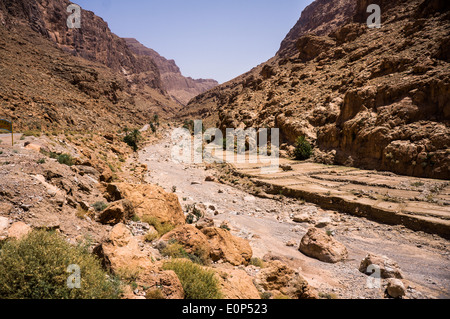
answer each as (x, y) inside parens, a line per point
(181, 89)
(370, 98)
(54, 76)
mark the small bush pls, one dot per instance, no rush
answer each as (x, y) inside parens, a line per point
(99, 206)
(197, 282)
(133, 139)
(151, 237)
(34, 133)
(65, 159)
(303, 149)
(41, 161)
(161, 228)
(257, 262)
(36, 268)
(155, 294)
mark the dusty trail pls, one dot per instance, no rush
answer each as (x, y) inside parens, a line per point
(266, 223)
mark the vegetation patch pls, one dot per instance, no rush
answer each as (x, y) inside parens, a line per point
(197, 282)
(36, 267)
(303, 150)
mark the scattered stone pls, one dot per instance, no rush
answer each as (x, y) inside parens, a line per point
(291, 243)
(301, 218)
(388, 267)
(317, 244)
(323, 222)
(210, 179)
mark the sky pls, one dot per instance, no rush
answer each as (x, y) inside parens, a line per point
(206, 38)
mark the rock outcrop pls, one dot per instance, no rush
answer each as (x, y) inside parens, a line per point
(148, 201)
(367, 98)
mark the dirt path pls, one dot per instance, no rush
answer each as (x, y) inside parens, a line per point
(267, 224)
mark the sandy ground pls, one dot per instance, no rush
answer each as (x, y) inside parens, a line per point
(266, 223)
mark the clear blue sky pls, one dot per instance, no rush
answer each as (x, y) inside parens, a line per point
(207, 38)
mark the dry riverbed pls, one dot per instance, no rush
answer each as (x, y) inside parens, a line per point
(267, 224)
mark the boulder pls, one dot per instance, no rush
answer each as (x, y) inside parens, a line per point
(18, 230)
(396, 288)
(204, 223)
(120, 252)
(388, 267)
(117, 212)
(236, 284)
(190, 237)
(225, 247)
(166, 281)
(149, 201)
(317, 244)
(279, 277)
(106, 175)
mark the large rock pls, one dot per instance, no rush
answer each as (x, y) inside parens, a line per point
(117, 212)
(278, 277)
(396, 288)
(190, 237)
(149, 201)
(388, 267)
(226, 247)
(166, 281)
(120, 252)
(317, 244)
(236, 284)
(18, 230)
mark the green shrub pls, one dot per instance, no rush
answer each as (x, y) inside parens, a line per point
(34, 133)
(177, 251)
(303, 150)
(41, 161)
(65, 159)
(155, 294)
(197, 282)
(99, 206)
(257, 262)
(161, 228)
(36, 268)
(133, 139)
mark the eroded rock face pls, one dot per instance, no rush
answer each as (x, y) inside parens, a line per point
(117, 212)
(368, 98)
(317, 244)
(181, 89)
(149, 200)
